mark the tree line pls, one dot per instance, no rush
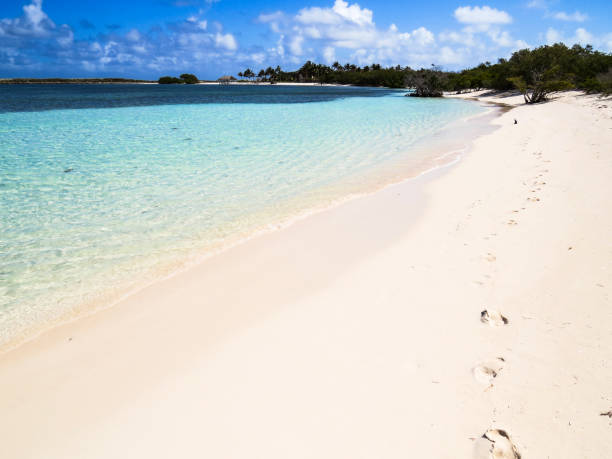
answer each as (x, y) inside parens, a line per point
(185, 78)
(536, 73)
(310, 72)
(539, 72)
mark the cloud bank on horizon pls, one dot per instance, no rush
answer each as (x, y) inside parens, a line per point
(35, 44)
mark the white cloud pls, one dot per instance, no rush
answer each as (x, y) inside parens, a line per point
(553, 36)
(340, 12)
(295, 45)
(576, 16)
(329, 54)
(316, 15)
(481, 15)
(463, 37)
(353, 13)
(34, 14)
(342, 26)
(582, 37)
(258, 58)
(65, 36)
(226, 41)
(274, 20)
(422, 36)
(501, 38)
(521, 44)
(350, 31)
(33, 22)
(450, 56)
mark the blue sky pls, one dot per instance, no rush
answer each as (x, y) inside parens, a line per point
(146, 39)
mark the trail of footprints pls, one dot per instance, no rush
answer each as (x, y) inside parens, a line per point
(496, 443)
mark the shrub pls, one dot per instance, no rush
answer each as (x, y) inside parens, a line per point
(169, 80)
(189, 78)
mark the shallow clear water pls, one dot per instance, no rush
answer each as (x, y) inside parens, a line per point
(93, 200)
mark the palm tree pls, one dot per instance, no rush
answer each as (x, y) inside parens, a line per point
(240, 74)
(269, 73)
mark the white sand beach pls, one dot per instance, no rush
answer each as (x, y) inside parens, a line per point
(357, 332)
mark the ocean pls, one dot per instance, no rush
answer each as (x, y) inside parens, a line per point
(105, 188)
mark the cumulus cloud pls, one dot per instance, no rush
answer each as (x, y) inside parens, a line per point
(340, 12)
(322, 32)
(33, 43)
(33, 22)
(481, 15)
(482, 34)
(226, 41)
(347, 31)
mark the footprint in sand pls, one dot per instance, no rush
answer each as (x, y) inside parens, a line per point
(495, 444)
(533, 199)
(490, 257)
(512, 222)
(486, 372)
(493, 318)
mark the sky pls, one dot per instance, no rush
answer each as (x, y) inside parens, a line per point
(210, 38)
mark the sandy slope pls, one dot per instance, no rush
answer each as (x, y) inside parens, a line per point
(356, 333)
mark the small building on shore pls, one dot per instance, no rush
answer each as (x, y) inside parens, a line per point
(226, 79)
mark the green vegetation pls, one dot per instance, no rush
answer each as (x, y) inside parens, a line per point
(536, 73)
(169, 80)
(310, 72)
(186, 78)
(426, 82)
(189, 78)
(541, 71)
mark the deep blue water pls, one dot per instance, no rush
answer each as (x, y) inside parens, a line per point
(38, 97)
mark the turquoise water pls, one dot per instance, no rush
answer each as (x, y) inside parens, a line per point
(97, 200)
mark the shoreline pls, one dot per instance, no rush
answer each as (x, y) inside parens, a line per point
(444, 151)
(356, 331)
(96, 81)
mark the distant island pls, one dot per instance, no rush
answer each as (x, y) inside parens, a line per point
(70, 80)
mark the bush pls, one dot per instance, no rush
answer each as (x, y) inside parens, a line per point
(426, 83)
(189, 78)
(169, 80)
